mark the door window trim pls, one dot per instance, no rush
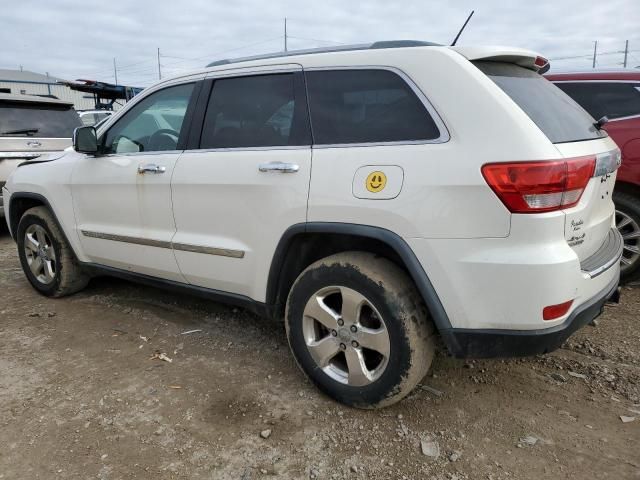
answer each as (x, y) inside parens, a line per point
(444, 136)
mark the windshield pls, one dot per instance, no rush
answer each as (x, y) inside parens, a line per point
(37, 120)
(559, 117)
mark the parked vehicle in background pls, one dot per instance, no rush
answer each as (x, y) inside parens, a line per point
(487, 219)
(30, 127)
(616, 95)
(93, 117)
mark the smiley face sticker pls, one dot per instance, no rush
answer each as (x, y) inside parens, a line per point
(376, 181)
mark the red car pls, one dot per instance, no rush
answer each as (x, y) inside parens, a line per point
(616, 95)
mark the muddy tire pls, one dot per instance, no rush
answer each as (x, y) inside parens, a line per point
(359, 329)
(46, 257)
(628, 222)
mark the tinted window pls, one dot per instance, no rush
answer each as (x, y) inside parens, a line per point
(37, 119)
(600, 99)
(256, 111)
(364, 106)
(154, 124)
(555, 113)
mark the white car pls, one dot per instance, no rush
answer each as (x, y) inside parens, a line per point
(32, 127)
(373, 196)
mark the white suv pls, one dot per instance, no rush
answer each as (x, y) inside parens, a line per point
(373, 196)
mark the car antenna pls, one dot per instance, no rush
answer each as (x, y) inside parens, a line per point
(463, 27)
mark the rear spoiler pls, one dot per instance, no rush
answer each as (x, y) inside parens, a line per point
(519, 56)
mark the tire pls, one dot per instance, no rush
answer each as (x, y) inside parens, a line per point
(382, 299)
(65, 276)
(628, 222)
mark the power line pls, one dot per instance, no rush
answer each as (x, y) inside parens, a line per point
(589, 55)
(316, 40)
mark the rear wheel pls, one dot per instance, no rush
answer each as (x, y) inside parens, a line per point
(628, 224)
(358, 328)
(46, 258)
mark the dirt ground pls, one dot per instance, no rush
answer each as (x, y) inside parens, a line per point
(83, 395)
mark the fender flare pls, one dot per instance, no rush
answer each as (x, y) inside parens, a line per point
(393, 240)
(13, 223)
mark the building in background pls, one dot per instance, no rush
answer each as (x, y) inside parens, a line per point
(31, 83)
(83, 94)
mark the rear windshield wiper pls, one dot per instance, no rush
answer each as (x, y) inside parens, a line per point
(22, 131)
(600, 123)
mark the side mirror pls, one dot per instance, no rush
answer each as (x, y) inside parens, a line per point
(85, 140)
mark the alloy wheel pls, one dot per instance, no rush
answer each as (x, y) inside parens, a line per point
(40, 254)
(630, 231)
(346, 336)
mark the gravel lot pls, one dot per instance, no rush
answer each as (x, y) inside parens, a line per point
(84, 394)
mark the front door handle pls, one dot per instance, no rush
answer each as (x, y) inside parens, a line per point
(279, 167)
(151, 168)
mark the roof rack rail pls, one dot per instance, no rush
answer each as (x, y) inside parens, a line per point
(341, 48)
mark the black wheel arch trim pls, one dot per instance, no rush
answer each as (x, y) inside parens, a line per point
(13, 222)
(393, 240)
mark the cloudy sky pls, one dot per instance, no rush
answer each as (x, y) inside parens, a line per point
(70, 40)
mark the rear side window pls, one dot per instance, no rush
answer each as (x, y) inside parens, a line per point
(255, 111)
(600, 99)
(37, 120)
(366, 106)
(559, 117)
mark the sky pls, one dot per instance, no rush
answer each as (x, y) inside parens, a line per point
(71, 40)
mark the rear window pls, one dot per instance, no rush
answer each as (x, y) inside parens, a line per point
(366, 106)
(559, 117)
(614, 100)
(37, 120)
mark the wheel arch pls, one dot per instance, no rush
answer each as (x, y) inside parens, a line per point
(20, 202)
(304, 243)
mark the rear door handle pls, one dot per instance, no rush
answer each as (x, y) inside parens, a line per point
(279, 167)
(151, 168)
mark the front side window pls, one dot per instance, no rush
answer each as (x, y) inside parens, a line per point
(255, 111)
(613, 100)
(152, 125)
(366, 106)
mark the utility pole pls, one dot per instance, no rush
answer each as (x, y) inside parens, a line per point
(595, 52)
(626, 53)
(115, 70)
(159, 72)
(285, 34)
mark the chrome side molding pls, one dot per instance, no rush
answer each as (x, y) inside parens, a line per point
(184, 247)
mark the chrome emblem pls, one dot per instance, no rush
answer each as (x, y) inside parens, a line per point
(34, 144)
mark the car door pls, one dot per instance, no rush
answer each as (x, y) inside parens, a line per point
(246, 182)
(122, 198)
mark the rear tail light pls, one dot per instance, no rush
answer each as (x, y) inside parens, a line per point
(534, 187)
(553, 312)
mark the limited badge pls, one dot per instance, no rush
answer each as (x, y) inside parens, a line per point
(376, 181)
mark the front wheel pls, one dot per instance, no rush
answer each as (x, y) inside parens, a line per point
(46, 258)
(358, 328)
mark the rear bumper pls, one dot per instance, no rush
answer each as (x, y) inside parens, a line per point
(472, 343)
